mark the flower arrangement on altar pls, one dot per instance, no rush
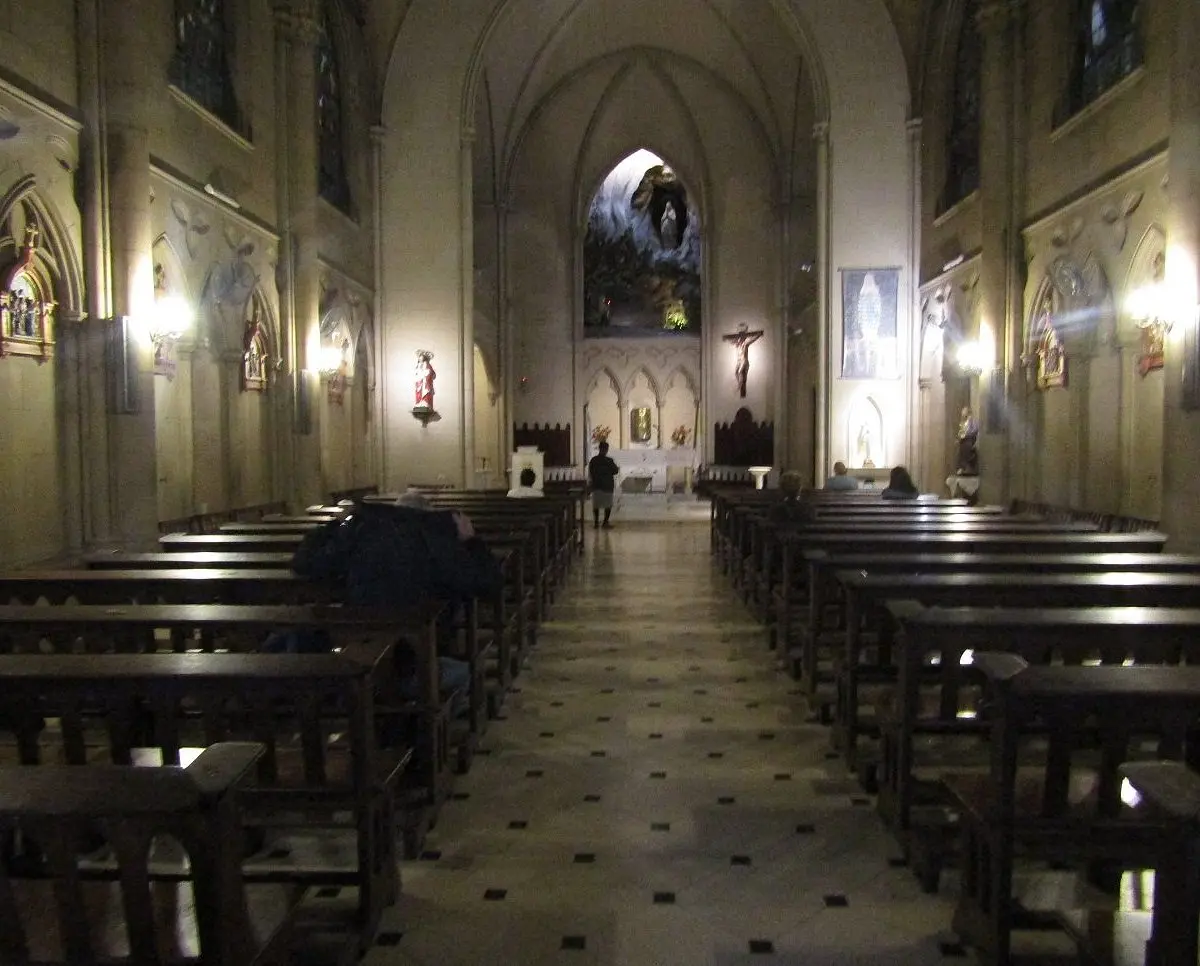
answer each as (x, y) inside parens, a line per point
(680, 435)
(600, 434)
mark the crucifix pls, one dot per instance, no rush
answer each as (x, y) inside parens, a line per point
(742, 339)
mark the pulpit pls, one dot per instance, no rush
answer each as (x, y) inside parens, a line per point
(527, 458)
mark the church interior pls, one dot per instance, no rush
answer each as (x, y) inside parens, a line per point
(267, 263)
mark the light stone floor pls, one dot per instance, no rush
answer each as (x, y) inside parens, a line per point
(654, 796)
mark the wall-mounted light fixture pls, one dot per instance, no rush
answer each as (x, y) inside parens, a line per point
(221, 196)
(1150, 309)
(170, 320)
(331, 363)
(974, 358)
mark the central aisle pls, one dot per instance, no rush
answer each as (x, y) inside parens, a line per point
(654, 796)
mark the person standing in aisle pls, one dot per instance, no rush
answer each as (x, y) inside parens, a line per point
(602, 475)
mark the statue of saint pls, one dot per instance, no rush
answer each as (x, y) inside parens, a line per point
(864, 446)
(742, 339)
(966, 461)
(423, 381)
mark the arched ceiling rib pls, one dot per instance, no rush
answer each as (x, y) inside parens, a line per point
(539, 45)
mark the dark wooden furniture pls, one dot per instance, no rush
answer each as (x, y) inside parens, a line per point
(191, 906)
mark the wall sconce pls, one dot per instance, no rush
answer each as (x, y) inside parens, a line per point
(331, 363)
(171, 320)
(1149, 308)
(974, 358)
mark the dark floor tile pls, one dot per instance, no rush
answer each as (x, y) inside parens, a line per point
(660, 826)
(329, 892)
(584, 858)
(706, 720)
(664, 898)
(658, 774)
(389, 939)
(766, 736)
(460, 796)
(654, 704)
(599, 754)
(806, 829)
(431, 855)
(716, 754)
(574, 942)
(546, 734)
(604, 718)
(726, 800)
(783, 776)
(739, 860)
(700, 691)
(591, 798)
(652, 680)
(518, 824)
(608, 690)
(836, 902)
(656, 734)
(495, 895)
(565, 680)
(762, 947)
(556, 704)
(752, 704)
(534, 773)
(952, 950)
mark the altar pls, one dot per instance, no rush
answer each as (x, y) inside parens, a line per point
(662, 467)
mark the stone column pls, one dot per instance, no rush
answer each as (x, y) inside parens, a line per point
(297, 30)
(916, 445)
(466, 332)
(824, 304)
(129, 82)
(1000, 302)
(1181, 420)
(379, 397)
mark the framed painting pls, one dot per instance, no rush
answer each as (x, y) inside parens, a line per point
(640, 424)
(870, 304)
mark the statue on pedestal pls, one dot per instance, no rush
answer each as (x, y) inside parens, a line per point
(423, 381)
(966, 462)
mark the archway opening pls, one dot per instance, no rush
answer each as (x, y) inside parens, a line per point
(641, 253)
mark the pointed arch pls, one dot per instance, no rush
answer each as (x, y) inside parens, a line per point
(680, 374)
(57, 254)
(1147, 266)
(631, 382)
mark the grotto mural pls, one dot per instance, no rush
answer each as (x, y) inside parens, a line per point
(641, 253)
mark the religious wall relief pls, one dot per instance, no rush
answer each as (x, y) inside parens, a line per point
(869, 321)
(26, 302)
(255, 348)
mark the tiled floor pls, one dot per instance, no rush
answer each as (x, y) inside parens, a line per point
(655, 796)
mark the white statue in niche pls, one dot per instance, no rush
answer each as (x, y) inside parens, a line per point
(864, 435)
(864, 450)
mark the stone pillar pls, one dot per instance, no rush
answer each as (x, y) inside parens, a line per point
(916, 445)
(466, 359)
(297, 30)
(380, 375)
(1181, 418)
(1000, 301)
(129, 81)
(824, 303)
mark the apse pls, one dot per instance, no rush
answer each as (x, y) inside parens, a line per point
(641, 253)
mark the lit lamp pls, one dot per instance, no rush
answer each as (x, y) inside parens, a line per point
(974, 358)
(171, 320)
(331, 363)
(1149, 307)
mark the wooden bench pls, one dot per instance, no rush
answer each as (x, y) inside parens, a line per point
(1052, 794)
(110, 703)
(936, 693)
(1170, 792)
(864, 594)
(191, 907)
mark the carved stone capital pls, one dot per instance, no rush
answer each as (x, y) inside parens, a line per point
(820, 132)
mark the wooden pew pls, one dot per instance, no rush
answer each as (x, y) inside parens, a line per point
(102, 640)
(1170, 792)
(1052, 793)
(55, 911)
(933, 698)
(802, 592)
(864, 594)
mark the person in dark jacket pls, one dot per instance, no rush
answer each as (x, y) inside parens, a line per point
(900, 485)
(792, 508)
(602, 476)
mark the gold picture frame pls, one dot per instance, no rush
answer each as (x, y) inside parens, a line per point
(641, 426)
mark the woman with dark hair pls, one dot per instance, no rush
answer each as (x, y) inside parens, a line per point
(900, 485)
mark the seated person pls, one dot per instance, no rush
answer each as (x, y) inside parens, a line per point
(900, 485)
(840, 479)
(526, 490)
(791, 509)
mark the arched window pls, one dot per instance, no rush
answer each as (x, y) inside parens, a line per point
(1108, 48)
(331, 174)
(962, 135)
(200, 67)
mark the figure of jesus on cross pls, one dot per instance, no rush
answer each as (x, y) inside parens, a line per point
(742, 339)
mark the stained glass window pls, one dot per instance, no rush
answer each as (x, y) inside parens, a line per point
(962, 138)
(200, 67)
(331, 174)
(1108, 48)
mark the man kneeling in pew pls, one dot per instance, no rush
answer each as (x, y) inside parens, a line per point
(382, 555)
